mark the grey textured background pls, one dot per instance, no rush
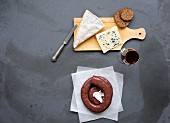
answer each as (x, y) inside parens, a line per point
(34, 90)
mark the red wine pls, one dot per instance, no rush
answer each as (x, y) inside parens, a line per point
(132, 57)
(129, 56)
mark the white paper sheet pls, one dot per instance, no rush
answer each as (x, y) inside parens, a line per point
(84, 116)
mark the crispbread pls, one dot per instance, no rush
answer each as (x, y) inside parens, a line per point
(126, 14)
(121, 23)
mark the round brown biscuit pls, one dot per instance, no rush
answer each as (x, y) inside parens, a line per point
(127, 14)
(121, 23)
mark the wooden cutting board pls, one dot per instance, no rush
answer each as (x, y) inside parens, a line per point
(126, 34)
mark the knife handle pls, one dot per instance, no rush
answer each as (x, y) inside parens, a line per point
(54, 58)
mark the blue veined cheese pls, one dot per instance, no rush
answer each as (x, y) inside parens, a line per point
(109, 39)
(89, 26)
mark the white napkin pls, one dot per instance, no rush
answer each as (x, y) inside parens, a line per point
(111, 112)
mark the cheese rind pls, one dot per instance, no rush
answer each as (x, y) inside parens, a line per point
(89, 26)
(109, 39)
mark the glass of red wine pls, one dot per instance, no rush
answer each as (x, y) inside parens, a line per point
(129, 56)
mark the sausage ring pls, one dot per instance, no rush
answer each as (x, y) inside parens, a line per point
(91, 98)
(92, 85)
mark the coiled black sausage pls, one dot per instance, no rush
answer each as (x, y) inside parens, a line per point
(91, 98)
(102, 84)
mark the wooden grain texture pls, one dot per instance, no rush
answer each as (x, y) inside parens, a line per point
(126, 34)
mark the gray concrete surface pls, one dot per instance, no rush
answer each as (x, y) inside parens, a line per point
(34, 90)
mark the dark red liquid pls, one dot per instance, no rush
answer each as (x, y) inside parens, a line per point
(132, 57)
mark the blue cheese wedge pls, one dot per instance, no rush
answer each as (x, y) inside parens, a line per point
(89, 26)
(109, 39)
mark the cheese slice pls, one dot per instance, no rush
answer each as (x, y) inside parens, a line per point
(89, 26)
(109, 39)
(98, 96)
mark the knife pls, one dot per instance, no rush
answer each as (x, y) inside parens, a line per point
(54, 58)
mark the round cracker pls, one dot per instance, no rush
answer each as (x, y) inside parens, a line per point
(127, 14)
(121, 23)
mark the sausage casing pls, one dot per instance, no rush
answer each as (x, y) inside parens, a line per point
(102, 84)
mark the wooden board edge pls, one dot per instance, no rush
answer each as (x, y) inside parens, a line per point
(103, 19)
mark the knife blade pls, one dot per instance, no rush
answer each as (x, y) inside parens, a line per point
(57, 53)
